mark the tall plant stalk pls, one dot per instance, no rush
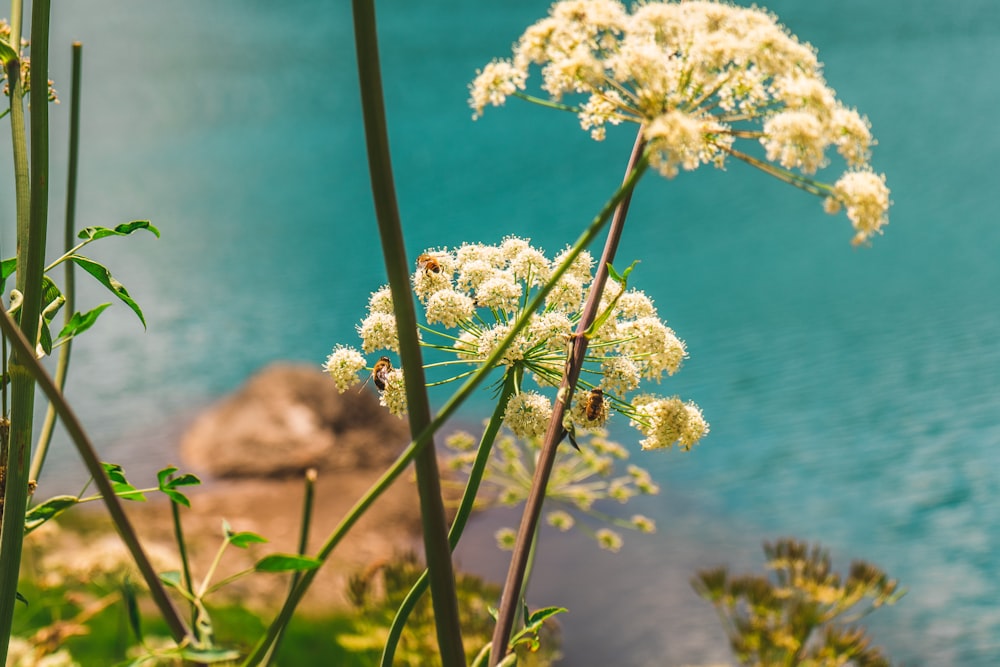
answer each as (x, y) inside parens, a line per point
(31, 231)
(436, 549)
(533, 505)
(69, 240)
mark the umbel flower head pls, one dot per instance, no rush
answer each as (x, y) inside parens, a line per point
(706, 80)
(578, 482)
(472, 295)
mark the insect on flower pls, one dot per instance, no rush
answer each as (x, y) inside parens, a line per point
(595, 404)
(379, 373)
(428, 263)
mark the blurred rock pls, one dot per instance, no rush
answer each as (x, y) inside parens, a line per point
(287, 418)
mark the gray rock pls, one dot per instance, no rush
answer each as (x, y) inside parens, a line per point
(287, 418)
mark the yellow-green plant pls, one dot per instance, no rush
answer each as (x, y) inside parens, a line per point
(802, 611)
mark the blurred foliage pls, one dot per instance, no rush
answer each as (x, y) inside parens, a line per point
(802, 613)
(378, 591)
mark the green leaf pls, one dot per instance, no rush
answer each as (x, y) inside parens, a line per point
(80, 322)
(245, 539)
(187, 479)
(172, 578)
(544, 614)
(50, 509)
(7, 269)
(286, 563)
(209, 656)
(7, 54)
(124, 229)
(163, 476)
(45, 337)
(120, 485)
(20, 598)
(177, 497)
(103, 276)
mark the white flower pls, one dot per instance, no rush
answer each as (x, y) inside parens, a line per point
(528, 414)
(378, 332)
(344, 364)
(449, 307)
(381, 301)
(394, 396)
(867, 200)
(501, 292)
(621, 375)
(608, 540)
(652, 345)
(665, 421)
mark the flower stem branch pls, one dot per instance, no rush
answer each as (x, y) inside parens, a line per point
(533, 506)
(461, 517)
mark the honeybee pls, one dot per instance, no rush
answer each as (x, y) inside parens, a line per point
(379, 373)
(594, 408)
(428, 263)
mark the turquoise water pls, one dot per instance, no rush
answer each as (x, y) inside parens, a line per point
(853, 393)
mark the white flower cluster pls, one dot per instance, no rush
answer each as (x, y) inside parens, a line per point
(698, 75)
(472, 295)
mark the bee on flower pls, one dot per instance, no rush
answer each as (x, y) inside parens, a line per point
(703, 79)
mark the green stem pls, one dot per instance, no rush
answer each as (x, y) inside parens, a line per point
(86, 449)
(433, 521)
(447, 410)
(31, 230)
(461, 517)
(175, 515)
(533, 505)
(308, 500)
(69, 289)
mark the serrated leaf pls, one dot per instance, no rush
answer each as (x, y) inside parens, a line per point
(171, 578)
(80, 322)
(103, 276)
(209, 656)
(287, 563)
(50, 509)
(124, 229)
(245, 539)
(7, 54)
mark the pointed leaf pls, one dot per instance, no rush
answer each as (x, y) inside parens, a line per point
(115, 472)
(80, 322)
(20, 598)
(163, 476)
(286, 563)
(177, 497)
(544, 614)
(51, 508)
(7, 269)
(7, 54)
(103, 276)
(124, 229)
(245, 539)
(187, 479)
(45, 336)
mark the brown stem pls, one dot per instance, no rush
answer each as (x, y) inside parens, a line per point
(555, 433)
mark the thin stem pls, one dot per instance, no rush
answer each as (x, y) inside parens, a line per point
(447, 410)
(86, 449)
(31, 230)
(69, 288)
(175, 515)
(432, 517)
(461, 517)
(308, 500)
(533, 506)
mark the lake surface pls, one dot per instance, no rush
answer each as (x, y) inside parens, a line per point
(853, 393)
